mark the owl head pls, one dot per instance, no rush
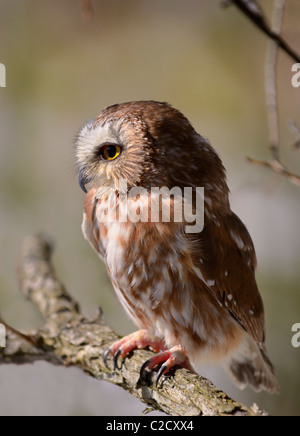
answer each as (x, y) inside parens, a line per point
(147, 144)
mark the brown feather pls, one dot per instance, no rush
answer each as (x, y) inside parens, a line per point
(194, 290)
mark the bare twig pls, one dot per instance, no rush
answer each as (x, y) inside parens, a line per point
(296, 132)
(270, 81)
(28, 338)
(68, 338)
(279, 169)
(270, 86)
(247, 8)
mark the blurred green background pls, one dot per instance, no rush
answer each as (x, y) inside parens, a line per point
(62, 70)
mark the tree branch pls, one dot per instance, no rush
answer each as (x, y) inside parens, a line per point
(253, 12)
(277, 168)
(69, 338)
(270, 81)
(296, 132)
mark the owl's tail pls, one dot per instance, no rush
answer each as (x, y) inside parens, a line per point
(252, 366)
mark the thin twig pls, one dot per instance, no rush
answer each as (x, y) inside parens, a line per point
(29, 338)
(270, 81)
(279, 169)
(260, 21)
(270, 86)
(296, 132)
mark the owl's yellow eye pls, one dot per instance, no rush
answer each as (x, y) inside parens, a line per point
(110, 151)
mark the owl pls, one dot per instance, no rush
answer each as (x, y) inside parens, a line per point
(192, 295)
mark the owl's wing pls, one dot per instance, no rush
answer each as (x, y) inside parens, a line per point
(225, 255)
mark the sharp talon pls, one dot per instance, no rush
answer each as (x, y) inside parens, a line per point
(160, 373)
(143, 372)
(106, 353)
(115, 359)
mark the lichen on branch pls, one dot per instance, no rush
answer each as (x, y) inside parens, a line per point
(68, 338)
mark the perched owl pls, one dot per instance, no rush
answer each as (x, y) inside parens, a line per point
(193, 296)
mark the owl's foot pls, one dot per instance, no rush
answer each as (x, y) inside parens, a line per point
(140, 339)
(169, 358)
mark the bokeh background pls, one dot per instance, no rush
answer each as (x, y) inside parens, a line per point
(62, 70)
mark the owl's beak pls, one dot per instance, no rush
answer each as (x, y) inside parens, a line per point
(83, 179)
